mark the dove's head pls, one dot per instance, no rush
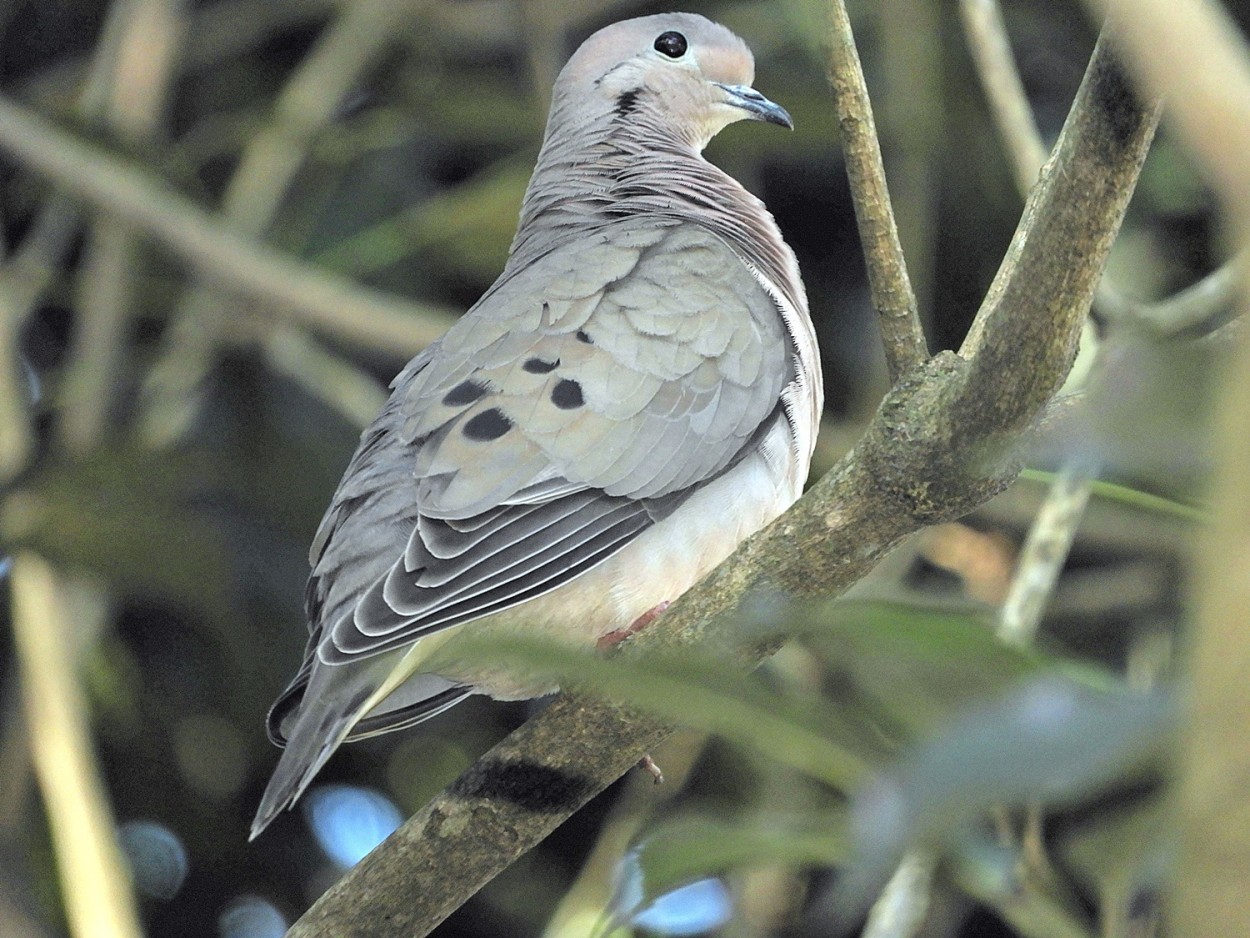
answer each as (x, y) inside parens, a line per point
(676, 72)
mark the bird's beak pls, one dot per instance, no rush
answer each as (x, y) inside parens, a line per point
(756, 105)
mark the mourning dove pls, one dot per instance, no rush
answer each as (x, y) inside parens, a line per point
(637, 393)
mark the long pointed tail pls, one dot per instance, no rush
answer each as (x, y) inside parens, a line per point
(318, 732)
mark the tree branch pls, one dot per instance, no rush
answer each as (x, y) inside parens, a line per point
(888, 282)
(937, 448)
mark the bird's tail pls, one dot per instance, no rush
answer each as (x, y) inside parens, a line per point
(319, 730)
(342, 703)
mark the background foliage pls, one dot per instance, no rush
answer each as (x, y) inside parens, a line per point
(173, 426)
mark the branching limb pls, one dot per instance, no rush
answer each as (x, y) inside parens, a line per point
(1197, 310)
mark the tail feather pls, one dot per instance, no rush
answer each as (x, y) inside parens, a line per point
(337, 704)
(309, 746)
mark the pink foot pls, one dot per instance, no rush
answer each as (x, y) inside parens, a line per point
(616, 636)
(647, 764)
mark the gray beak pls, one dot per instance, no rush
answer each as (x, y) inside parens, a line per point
(756, 105)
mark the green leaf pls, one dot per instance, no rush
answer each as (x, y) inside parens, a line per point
(688, 849)
(915, 667)
(806, 733)
(1131, 498)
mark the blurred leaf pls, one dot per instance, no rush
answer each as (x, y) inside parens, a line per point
(692, 848)
(913, 665)
(1130, 497)
(1051, 740)
(804, 732)
(137, 518)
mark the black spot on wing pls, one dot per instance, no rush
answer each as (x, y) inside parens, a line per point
(466, 392)
(537, 366)
(567, 394)
(487, 426)
(584, 336)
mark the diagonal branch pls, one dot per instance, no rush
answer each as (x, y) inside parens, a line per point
(938, 447)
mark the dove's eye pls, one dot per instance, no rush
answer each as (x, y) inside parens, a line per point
(672, 44)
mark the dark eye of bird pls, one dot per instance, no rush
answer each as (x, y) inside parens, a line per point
(672, 44)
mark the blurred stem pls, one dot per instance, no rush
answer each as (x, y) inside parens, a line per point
(95, 884)
(310, 100)
(327, 303)
(1044, 552)
(900, 910)
(1009, 106)
(127, 92)
(888, 281)
(23, 278)
(333, 380)
(1206, 76)
(912, 122)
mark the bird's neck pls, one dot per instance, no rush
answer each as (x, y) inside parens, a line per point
(611, 170)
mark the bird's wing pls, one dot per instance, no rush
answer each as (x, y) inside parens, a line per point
(580, 401)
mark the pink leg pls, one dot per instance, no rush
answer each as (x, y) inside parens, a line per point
(616, 636)
(648, 765)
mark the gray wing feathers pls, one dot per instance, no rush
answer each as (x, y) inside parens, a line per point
(547, 430)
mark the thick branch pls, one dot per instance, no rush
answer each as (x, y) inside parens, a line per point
(1108, 126)
(888, 282)
(923, 460)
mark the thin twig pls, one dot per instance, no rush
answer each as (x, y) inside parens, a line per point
(95, 883)
(932, 454)
(23, 279)
(355, 394)
(1044, 553)
(1009, 106)
(324, 302)
(888, 282)
(1197, 310)
(126, 92)
(900, 910)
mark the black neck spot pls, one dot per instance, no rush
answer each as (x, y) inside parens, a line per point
(627, 102)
